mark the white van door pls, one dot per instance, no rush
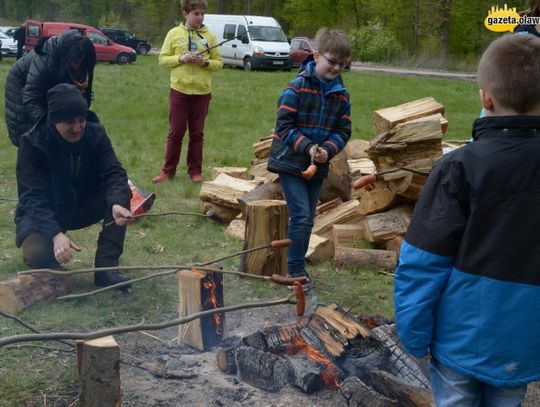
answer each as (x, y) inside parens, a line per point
(233, 51)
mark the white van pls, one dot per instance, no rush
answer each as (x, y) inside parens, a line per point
(255, 42)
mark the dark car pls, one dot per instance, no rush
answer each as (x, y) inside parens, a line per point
(127, 38)
(301, 47)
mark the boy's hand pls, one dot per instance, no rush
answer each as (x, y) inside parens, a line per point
(320, 156)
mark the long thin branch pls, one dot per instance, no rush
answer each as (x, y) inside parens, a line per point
(147, 215)
(139, 327)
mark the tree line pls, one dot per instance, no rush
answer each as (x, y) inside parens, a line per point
(441, 28)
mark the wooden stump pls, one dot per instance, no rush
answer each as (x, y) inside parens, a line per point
(200, 291)
(19, 293)
(266, 220)
(98, 366)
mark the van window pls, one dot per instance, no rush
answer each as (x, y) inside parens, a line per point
(228, 32)
(33, 31)
(241, 30)
(263, 33)
(97, 38)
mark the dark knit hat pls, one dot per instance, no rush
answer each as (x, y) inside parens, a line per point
(65, 102)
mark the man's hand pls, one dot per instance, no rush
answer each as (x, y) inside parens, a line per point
(63, 248)
(121, 215)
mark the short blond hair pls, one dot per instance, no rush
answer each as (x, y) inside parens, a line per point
(334, 42)
(190, 5)
(509, 70)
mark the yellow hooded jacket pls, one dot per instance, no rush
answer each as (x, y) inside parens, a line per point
(189, 78)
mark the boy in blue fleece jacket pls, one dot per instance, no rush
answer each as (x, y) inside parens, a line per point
(468, 280)
(313, 125)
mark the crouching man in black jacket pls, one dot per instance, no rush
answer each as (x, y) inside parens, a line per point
(68, 177)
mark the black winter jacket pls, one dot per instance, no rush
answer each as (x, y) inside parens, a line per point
(55, 178)
(31, 77)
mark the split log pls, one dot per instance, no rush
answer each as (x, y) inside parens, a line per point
(269, 190)
(200, 291)
(401, 364)
(261, 149)
(263, 370)
(356, 149)
(225, 190)
(351, 257)
(397, 389)
(376, 197)
(360, 166)
(266, 220)
(409, 186)
(437, 116)
(338, 182)
(221, 214)
(343, 213)
(328, 205)
(347, 235)
(319, 249)
(394, 245)
(259, 169)
(387, 118)
(235, 172)
(335, 329)
(98, 366)
(21, 292)
(236, 229)
(387, 225)
(357, 394)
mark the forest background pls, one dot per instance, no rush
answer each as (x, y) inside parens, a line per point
(434, 33)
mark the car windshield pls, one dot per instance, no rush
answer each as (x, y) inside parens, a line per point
(2, 35)
(262, 33)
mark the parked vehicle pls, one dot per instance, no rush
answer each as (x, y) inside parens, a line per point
(301, 48)
(106, 50)
(127, 38)
(9, 45)
(9, 31)
(254, 42)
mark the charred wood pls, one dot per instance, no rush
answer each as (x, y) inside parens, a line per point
(263, 370)
(358, 394)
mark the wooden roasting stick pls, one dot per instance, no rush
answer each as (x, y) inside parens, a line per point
(296, 298)
(371, 178)
(275, 278)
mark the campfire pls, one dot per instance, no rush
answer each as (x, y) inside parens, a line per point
(331, 349)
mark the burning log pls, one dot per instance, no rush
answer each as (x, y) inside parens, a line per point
(199, 291)
(266, 220)
(261, 369)
(98, 365)
(226, 359)
(358, 394)
(306, 373)
(19, 293)
(273, 339)
(335, 329)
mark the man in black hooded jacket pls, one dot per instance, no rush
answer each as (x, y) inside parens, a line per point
(68, 177)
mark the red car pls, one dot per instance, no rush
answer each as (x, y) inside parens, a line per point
(301, 47)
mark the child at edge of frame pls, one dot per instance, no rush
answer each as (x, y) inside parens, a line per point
(313, 125)
(468, 278)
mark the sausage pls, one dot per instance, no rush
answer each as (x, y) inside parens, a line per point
(363, 181)
(278, 244)
(310, 171)
(300, 299)
(276, 278)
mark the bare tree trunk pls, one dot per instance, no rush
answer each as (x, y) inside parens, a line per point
(446, 6)
(416, 28)
(3, 10)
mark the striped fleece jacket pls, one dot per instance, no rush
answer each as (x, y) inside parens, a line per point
(310, 111)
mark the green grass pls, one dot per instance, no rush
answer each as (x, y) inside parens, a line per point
(132, 102)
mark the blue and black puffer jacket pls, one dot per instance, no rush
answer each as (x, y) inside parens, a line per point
(310, 111)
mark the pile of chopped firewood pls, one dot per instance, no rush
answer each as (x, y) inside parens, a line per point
(354, 227)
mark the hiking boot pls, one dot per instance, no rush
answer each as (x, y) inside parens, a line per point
(163, 176)
(196, 178)
(107, 278)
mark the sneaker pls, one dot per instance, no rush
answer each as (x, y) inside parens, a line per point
(163, 176)
(196, 178)
(107, 278)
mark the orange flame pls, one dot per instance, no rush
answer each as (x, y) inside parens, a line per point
(330, 375)
(212, 301)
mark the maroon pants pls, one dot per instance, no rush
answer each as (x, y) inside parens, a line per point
(186, 111)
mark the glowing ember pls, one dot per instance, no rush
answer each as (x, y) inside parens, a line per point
(211, 303)
(330, 375)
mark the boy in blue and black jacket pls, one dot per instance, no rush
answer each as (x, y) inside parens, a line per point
(313, 125)
(468, 280)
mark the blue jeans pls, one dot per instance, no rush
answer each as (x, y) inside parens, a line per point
(301, 196)
(452, 389)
